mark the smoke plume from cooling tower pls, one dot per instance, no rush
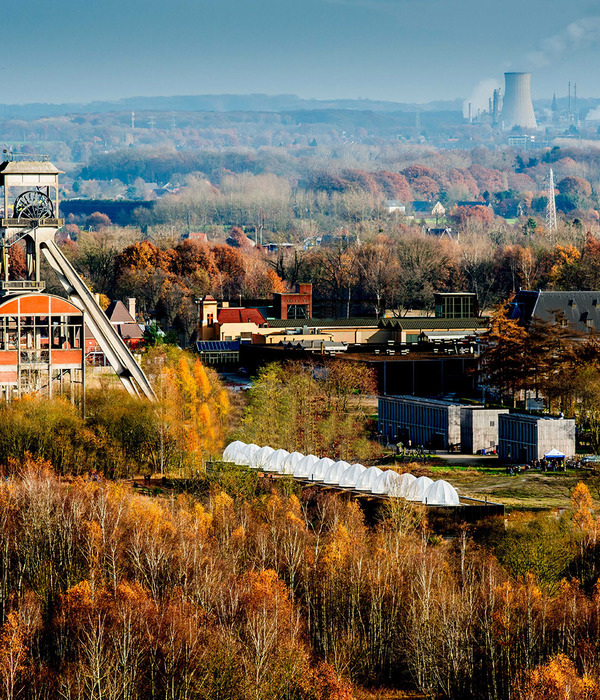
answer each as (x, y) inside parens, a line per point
(480, 96)
(578, 35)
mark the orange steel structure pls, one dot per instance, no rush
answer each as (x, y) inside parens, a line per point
(41, 347)
(42, 336)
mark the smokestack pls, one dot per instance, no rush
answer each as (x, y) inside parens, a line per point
(470, 113)
(517, 108)
(131, 307)
(569, 97)
(496, 107)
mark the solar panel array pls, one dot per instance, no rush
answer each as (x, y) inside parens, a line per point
(218, 345)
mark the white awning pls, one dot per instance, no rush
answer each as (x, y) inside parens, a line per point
(448, 335)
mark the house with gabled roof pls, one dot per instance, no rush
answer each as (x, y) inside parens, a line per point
(579, 310)
(122, 318)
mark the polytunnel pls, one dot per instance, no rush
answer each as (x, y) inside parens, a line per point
(321, 468)
(351, 476)
(368, 478)
(416, 490)
(387, 484)
(274, 462)
(244, 454)
(335, 472)
(406, 481)
(230, 452)
(304, 468)
(258, 458)
(441, 493)
(290, 462)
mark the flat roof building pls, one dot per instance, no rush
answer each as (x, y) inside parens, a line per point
(438, 423)
(523, 438)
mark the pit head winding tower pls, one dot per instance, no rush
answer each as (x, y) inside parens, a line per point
(37, 329)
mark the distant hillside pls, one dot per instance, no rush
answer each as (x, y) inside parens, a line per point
(216, 103)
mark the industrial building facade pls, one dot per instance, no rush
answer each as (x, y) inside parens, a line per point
(420, 421)
(41, 347)
(479, 428)
(438, 424)
(523, 438)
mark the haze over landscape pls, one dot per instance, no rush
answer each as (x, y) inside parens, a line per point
(396, 50)
(300, 350)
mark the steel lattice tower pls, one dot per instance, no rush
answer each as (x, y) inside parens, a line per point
(551, 206)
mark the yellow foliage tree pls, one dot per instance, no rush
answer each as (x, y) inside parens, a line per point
(557, 680)
(193, 407)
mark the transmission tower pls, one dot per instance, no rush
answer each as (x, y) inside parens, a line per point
(551, 207)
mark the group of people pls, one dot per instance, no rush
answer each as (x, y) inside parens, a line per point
(542, 465)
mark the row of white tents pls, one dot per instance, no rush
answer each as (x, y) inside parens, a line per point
(342, 474)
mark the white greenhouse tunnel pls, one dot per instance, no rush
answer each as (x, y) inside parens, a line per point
(258, 459)
(351, 476)
(336, 472)
(290, 462)
(368, 478)
(320, 469)
(275, 461)
(245, 454)
(416, 491)
(304, 468)
(441, 493)
(347, 476)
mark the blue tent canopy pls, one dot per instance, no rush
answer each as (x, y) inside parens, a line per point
(554, 454)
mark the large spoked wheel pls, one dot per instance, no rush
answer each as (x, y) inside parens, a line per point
(33, 205)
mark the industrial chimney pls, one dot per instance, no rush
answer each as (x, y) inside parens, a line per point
(517, 108)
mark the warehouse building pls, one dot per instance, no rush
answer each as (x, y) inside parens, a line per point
(438, 424)
(523, 438)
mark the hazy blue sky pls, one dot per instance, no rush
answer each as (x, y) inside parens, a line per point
(402, 50)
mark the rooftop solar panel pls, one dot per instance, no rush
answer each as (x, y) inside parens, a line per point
(218, 345)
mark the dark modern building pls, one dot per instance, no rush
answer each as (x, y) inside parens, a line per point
(523, 438)
(439, 424)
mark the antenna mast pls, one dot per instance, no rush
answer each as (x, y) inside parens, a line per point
(551, 207)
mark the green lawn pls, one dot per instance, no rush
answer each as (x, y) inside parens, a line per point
(530, 490)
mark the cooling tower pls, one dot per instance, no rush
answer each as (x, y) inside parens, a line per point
(517, 108)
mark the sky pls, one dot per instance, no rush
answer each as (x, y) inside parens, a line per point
(398, 50)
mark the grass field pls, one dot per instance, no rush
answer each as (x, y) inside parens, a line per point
(529, 490)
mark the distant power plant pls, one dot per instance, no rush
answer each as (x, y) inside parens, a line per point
(517, 107)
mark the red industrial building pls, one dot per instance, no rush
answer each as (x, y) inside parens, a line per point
(41, 346)
(296, 304)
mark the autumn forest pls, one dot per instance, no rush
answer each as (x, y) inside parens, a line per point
(135, 564)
